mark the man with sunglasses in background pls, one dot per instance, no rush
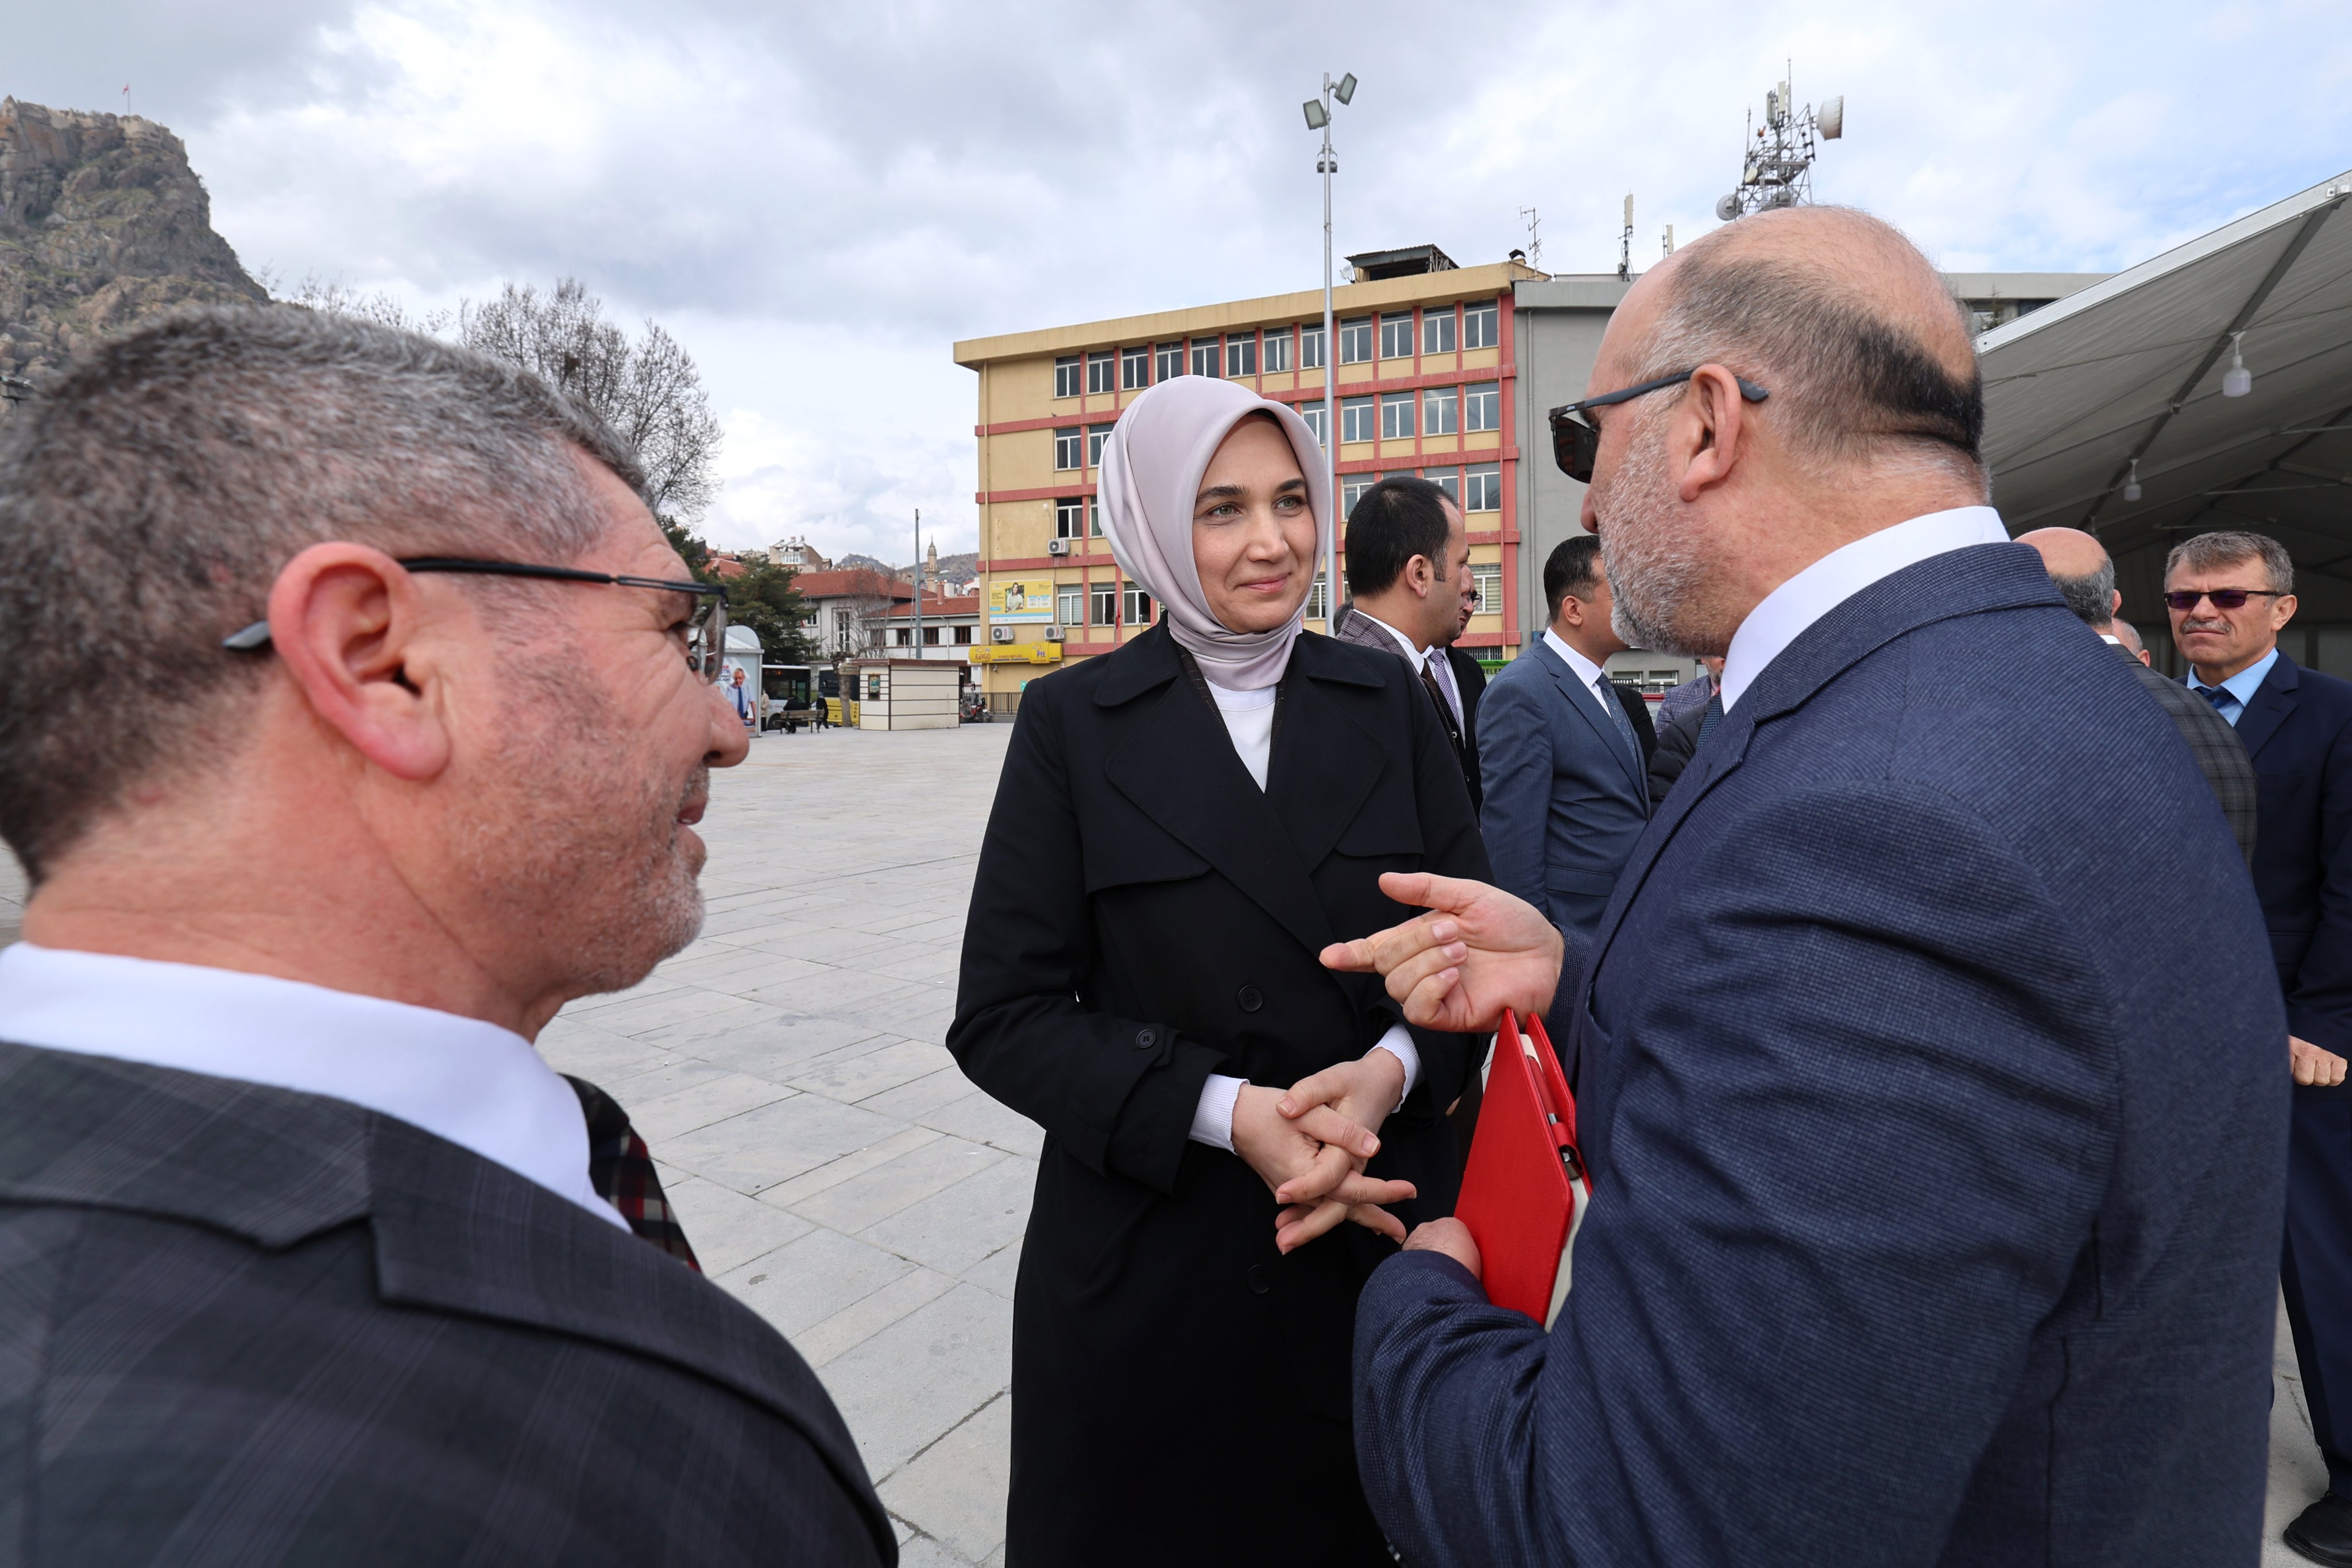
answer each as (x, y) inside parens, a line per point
(1930, 1102)
(307, 1256)
(2230, 595)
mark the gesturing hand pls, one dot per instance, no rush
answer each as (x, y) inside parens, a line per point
(1482, 951)
(1364, 1091)
(1316, 1155)
(2313, 1064)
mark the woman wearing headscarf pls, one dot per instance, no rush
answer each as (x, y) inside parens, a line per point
(1182, 826)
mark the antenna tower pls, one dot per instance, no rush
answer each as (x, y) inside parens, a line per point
(1534, 239)
(1778, 170)
(1625, 244)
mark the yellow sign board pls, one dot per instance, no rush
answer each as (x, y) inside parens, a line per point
(1018, 654)
(1021, 599)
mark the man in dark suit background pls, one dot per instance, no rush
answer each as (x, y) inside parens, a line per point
(305, 1250)
(2084, 575)
(1408, 582)
(1931, 1105)
(2230, 594)
(1566, 790)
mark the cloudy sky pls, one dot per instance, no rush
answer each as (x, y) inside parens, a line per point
(818, 199)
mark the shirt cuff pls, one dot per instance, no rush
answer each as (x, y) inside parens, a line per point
(1213, 1118)
(1398, 1043)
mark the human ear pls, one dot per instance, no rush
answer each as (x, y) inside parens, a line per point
(1703, 439)
(2281, 611)
(344, 620)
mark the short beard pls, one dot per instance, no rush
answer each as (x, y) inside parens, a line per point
(1655, 560)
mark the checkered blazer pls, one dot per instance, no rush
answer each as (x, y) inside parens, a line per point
(2219, 755)
(240, 1326)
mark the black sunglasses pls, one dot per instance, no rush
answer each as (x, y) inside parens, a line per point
(1575, 445)
(2223, 598)
(706, 641)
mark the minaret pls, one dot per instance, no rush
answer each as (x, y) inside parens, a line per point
(931, 566)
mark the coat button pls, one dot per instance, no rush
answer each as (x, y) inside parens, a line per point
(1145, 1039)
(1258, 1283)
(1250, 998)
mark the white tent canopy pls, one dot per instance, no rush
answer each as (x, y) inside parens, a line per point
(2126, 378)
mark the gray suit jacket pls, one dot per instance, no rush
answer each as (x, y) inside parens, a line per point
(241, 1325)
(1565, 797)
(2221, 756)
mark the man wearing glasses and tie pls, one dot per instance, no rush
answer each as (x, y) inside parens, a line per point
(2230, 595)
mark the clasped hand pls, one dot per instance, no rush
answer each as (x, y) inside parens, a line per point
(1308, 1144)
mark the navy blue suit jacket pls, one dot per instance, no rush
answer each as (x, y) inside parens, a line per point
(2298, 732)
(1565, 800)
(1936, 1204)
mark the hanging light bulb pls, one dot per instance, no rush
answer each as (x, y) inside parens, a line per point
(2238, 380)
(2131, 485)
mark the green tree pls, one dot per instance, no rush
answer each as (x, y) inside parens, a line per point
(760, 596)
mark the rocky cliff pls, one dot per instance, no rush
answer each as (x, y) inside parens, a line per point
(102, 224)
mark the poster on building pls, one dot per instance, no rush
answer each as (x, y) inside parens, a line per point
(1021, 599)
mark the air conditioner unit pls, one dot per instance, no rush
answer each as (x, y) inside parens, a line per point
(1054, 634)
(1057, 547)
(1000, 633)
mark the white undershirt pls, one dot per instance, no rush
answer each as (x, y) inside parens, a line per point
(1249, 720)
(479, 1086)
(1782, 616)
(1587, 672)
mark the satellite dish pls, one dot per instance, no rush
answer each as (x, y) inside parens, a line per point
(1832, 118)
(1727, 208)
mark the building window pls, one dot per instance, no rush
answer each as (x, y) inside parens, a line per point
(1204, 356)
(1070, 604)
(1396, 416)
(1138, 606)
(1067, 448)
(1486, 489)
(1446, 479)
(1316, 606)
(1352, 487)
(1102, 597)
(1135, 367)
(1310, 346)
(1168, 362)
(1441, 411)
(1356, 419)
(1100, 369)
(1396, 335)
(1241, 354)
(1482, 325)
(1490, 579)
(1356, 340)
(1482, 406)
(1094, 516)
(1069, 514)
(1437, 330)
(904, 636)
(1066, 376)
(1277, 350)
(1312, 412)
(962, 636)
(930, 636)
(1096, 436)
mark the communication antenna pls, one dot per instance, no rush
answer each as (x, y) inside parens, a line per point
(1534, 240)
(1776, 168)
(1666, 241)
(1625, 244)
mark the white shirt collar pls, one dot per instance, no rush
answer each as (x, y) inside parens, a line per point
(1418, 656)
(1586, 670)
(1783, 614)
(477, 1085)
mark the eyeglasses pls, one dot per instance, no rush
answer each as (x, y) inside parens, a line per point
(706, 637)
(1575, 443)
(2223, 598)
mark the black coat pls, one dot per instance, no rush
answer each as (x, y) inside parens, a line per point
(1470, 680)
(1144, 916)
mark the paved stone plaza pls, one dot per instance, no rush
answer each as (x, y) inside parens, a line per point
(832, 1167)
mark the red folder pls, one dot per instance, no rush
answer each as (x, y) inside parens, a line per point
(1525, 1190)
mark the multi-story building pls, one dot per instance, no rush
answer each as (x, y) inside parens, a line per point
(1426, 384)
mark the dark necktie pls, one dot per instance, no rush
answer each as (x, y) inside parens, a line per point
(2217, 696)
(622, 1171)
(1616, 711)
(1712, 716)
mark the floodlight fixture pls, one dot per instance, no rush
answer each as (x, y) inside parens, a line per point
(1316, 118)
(2132, 491)
(2236, 380)
(1346, 91)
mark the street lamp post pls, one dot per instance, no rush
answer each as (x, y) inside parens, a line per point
(1318, 117)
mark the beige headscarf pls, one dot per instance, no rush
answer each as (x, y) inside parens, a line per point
(1151, 469)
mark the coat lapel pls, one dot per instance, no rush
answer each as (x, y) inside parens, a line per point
(2274, 700)
(1325, 764)
(1587, 704)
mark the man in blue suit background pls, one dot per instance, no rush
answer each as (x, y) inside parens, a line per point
(2230, 595)
(1932, 1104)
(1566, 790)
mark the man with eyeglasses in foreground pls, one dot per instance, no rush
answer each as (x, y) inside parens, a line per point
(307, 1256)
(2230, 594)
(1931, 1104)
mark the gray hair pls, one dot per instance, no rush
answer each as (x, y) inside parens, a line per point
(150, 496)
(1855, 387)
(2091, 596)
(2227, 547)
